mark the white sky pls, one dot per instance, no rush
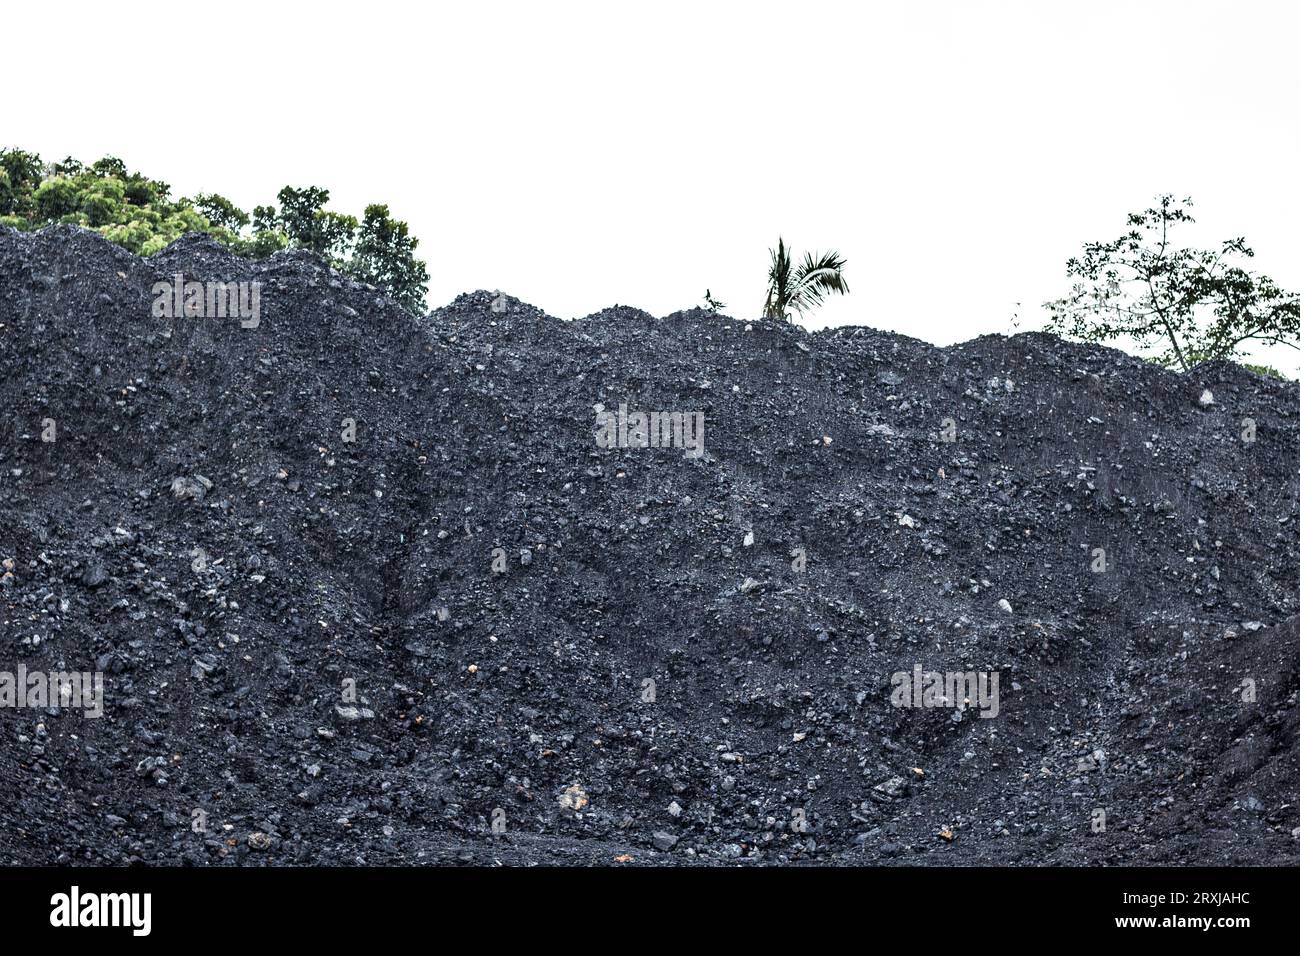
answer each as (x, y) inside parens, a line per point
(582, 154)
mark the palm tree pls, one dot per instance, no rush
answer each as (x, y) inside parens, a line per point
(804, 287)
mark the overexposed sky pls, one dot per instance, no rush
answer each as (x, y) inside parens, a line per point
(581, 154)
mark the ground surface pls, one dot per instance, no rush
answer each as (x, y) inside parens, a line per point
(231, 621)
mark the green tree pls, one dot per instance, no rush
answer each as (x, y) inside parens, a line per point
(385, 256)
(56, 199)
(136, 212)
(142, 191)
(220, 211)
(21, 173)
(803, 287)
(102, 202)
(1189, 305)
(68, 167)
(310, 226)
(109, 166)
(125, 207)
(268, 237)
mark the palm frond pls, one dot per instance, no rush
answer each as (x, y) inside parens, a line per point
(805, 287)
(815, 278)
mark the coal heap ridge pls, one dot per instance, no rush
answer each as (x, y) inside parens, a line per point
(319, 650)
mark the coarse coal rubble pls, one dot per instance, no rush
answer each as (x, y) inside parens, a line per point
(367, 588)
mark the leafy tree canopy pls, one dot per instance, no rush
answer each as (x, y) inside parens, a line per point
(1183, 304)
(385, 256)
(138, 213)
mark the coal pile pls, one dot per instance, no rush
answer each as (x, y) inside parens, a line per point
(366, 588)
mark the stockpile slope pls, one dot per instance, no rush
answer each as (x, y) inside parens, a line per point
(329, 650)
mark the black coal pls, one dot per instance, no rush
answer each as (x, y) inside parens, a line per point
(474, 634)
